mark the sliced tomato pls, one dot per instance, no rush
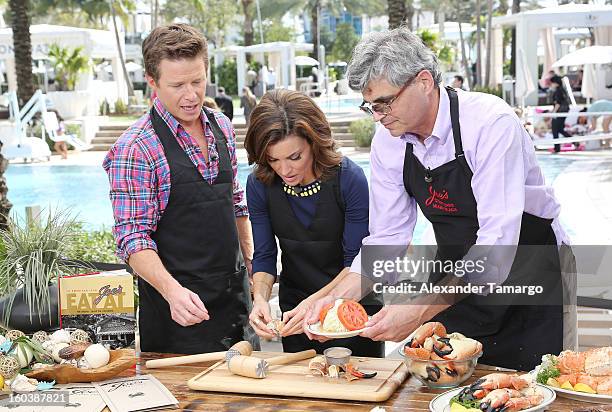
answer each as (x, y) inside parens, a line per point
(352, 315)
(324, 311)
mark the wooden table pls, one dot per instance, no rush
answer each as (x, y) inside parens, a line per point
(411, 395)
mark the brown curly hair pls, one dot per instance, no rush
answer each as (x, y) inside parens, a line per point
(281, 113)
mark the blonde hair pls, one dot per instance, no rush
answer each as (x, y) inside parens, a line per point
(210, 103)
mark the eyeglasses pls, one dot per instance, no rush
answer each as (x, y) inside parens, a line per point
(383, 108)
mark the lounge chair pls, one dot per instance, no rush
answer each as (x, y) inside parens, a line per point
(52, 126)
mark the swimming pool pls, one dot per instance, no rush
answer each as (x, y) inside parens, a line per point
(84, 189)
(336, 105)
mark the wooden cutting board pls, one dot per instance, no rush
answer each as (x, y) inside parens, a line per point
(296, 380)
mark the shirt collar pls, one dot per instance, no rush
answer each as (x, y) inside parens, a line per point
(442, 126)
(170, 120)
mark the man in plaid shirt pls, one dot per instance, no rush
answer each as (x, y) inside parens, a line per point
(180, 213)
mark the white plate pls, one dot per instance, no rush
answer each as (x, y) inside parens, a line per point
(441, 403)
(315, 330)
(582, 396)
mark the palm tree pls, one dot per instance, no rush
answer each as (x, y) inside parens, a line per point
(516, 8)
(121, 6)
(478, 47)
(489, 42)
(397, 12)
(20, 22)
(247, 10)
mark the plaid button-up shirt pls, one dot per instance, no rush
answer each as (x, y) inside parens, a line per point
(139, 176)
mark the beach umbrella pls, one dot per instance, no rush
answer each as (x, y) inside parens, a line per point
(305, 61)
(586, 55)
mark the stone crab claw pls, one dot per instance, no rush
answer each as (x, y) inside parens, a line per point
(425, 331)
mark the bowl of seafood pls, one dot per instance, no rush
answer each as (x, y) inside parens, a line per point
(438, 359)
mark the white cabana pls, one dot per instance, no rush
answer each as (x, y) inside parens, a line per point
(281, 58)
(95, 43)
(529, 25)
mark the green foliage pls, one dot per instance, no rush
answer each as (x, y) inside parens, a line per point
(68, 65)
(445, 55)
(32, 258)
(490, 90)
(274, 30)
(212, 17)
(226, 76)
(429, 38)
(506, 69)
(362, 131)
(345, 42)
(104, 108)
(120, 107)
(92, 246)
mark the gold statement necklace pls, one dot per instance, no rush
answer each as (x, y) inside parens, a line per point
(303, 191)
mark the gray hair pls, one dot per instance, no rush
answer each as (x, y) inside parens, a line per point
(397, 56)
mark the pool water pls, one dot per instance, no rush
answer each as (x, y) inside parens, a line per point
(84, 189)
(339, 105)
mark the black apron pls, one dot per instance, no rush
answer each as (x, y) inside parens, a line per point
(513, 336)
(197, 242)
(311, 258)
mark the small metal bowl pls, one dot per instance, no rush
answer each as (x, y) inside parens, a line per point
(337, 355)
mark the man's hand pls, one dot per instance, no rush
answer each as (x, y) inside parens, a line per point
(186, 307)
(393, 323)
(312, 316)
(294, 319)
(260, 317)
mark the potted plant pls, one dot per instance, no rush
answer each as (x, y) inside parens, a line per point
(68, 64)
(31, 259)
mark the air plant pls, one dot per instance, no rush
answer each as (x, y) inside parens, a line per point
(32, 258)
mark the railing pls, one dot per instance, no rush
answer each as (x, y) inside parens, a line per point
(22, 116)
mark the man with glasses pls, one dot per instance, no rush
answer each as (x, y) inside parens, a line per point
(466, 161)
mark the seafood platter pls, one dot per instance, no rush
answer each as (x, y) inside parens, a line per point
(584, 376)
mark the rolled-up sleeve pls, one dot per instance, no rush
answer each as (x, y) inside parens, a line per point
(133, 195)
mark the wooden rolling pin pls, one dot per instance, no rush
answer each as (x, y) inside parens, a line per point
(240, 348)
(253, 367)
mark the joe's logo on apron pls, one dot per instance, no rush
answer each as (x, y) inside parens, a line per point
(439, 200)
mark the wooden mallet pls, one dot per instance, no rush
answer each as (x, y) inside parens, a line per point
(241, 348)
(253, 367)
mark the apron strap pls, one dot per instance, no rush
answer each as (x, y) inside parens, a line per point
(454, 111)
(224, 162)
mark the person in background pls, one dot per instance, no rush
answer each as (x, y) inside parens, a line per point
(545, 82)
(601, 106)
(458, 82)
(60, 146)
(225, 103)
(210, 103)
(560, 105)
(181, 219)
(251, 79)
(271, 79)
(248, 101)
(304, 193)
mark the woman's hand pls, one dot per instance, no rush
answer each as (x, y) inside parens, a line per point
(260, 316)
(294, 319)
(312, 316)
